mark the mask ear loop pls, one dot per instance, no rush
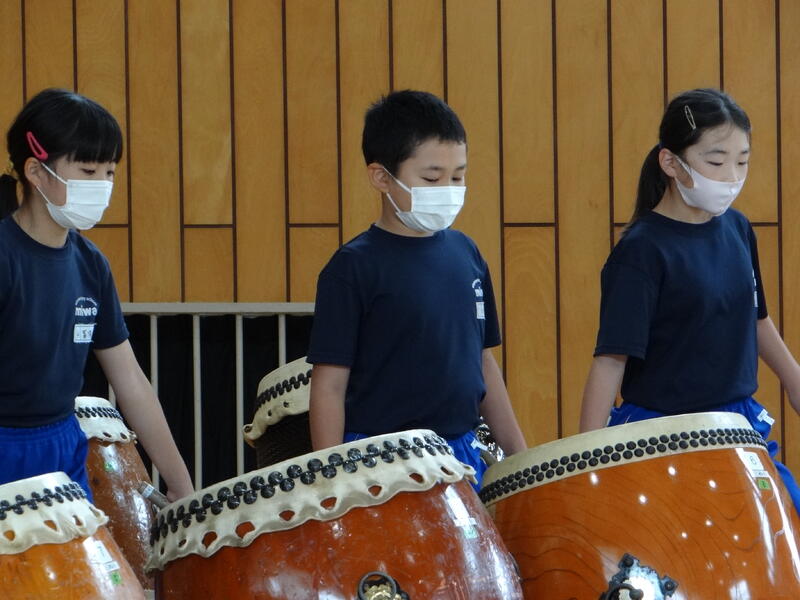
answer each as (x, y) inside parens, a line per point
(36, 147)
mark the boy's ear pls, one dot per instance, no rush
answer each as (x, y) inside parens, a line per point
(378, 177)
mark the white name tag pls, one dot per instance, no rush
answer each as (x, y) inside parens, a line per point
(82, 333)
(479, 310)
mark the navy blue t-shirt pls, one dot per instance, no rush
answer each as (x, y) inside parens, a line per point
(681, 300)
(55, 304)
(411, 317)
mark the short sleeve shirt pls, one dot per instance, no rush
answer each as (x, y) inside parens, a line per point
(55, 305)
(681, 301)
(410, 316)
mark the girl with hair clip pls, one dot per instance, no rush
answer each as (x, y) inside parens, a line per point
(683, 317)
(57, 295)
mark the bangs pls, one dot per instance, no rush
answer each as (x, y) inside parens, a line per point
(95, 137)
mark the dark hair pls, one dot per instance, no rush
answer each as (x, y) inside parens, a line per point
(64, 123)
(396, 124)
(687, 117)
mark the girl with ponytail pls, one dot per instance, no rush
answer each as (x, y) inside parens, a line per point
(57, 295)
(683, 317)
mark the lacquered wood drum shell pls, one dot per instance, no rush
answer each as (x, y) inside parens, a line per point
(280, 427)
(693, 497)
(53, 545)
(115, 470)
(314, 526)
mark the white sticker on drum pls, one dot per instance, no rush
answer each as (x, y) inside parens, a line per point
(99, 553)
(461, 517)
(752, 463)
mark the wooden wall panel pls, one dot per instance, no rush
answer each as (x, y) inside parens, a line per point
(312, 104)
(364, 77)
(692, 45)
(208, 264)
(530, 341)
(100, 53)
(583, 203)
(472, 85)
(418, 45)
(260, 161)
(790, 208)
(527, 109)
(206, 111)
(49, 50)
(637, 95)
(310, 249)
(113, 241)
(11, 60)
(154, 152)
(750, 76)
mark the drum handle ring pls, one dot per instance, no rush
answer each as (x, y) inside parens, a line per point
(390, 590)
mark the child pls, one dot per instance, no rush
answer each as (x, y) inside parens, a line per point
(405, 312)
(683, 318)
(57, 296)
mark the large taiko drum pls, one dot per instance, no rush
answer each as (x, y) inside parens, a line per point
(53, 545)
(280, 427)
(687, 507)
(115, 470)
(376, 518)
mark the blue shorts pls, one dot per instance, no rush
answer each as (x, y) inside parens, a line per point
(61, 446)
(753, 411)
(466, 448)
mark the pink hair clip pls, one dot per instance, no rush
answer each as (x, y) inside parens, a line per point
(36, 147)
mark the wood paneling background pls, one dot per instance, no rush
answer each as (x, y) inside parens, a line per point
(243, 172)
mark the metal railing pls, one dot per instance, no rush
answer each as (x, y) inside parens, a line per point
(197, 310)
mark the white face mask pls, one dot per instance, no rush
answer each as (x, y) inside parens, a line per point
(708, 194)
(433, 208)
(87, 199)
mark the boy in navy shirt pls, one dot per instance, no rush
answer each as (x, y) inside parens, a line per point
(405, 314)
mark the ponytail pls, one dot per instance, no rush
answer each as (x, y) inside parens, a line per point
(652, 185)
(8, 195)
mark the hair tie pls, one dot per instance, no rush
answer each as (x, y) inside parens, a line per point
(689, 116)
(35, 146)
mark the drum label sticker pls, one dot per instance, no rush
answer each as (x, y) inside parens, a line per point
(753, 464)
(461, 517)
(99, 554)
(763, 483)
(110, 467)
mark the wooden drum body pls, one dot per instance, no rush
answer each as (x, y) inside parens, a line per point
(695, 498)
(53, 545)
(315, 526)
(115, 470)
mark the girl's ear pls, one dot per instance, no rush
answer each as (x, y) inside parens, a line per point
(378, 177)
(669, 164)
(34, 172)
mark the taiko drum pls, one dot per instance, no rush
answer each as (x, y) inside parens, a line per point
(684, 507)
(115, 470)
(360, 520)
(53, 545)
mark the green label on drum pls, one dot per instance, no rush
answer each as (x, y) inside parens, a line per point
(110, 467)
(764, 484)
(116, 577)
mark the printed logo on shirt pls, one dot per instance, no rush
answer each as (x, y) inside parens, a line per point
(85, 314)
(476, 287)
(755, 290)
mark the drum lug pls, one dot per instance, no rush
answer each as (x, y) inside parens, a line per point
(629, 567)
(379, 586)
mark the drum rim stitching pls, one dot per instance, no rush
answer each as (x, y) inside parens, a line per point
(168, 522)
(516, 481)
